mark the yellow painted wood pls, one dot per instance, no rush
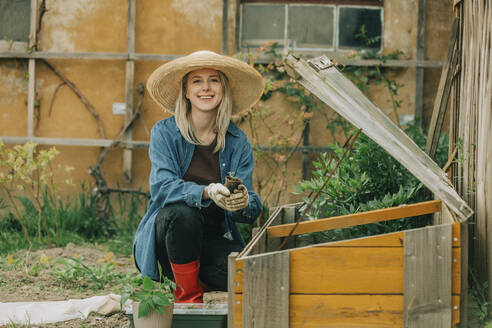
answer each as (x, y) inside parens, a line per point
(346, 270)
(394, 239)
(351, 220)
(356, 311)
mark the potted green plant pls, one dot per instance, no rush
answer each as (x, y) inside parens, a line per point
(153, 303)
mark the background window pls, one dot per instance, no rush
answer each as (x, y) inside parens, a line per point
(325, 25)
(262, 23)
(350, 21)
(14, 20)
(311, 26)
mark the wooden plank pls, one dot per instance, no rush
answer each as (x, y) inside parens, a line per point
(443, 92)
(129, 82)
(31, 92)
(288, 215)
(231, 283)
(355, 311)
(131, 144)
(31, 86)
(127, 153)
(349, 270)
(75, 142)
(337, 91)
(419, 78)
(393, 239)
(258, 238)
(259, 246)
(225, 7)
(130, 27)
(463, 305)
(19, 52)
(266, 291)
(33, 21)
(428, 277)
(351, 220)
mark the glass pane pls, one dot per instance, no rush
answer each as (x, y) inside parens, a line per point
(262, 23)
(350, 21)
(14, 20)
(311, 26)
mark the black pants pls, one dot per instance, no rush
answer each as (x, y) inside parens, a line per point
(183, 235)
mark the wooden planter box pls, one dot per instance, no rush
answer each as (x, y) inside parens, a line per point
(410, 278)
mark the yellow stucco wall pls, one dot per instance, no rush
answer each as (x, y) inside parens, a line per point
(162, 27)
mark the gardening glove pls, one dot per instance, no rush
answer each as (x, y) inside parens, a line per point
(239, 199)
(219, 194)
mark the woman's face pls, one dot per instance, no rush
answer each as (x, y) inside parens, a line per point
(204, 89)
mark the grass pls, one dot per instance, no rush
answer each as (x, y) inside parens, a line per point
(73, 219)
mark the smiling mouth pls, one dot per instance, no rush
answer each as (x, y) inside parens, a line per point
(205, 97)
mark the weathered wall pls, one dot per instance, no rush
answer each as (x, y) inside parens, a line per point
(169, 27)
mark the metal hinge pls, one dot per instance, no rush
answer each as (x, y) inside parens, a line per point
(321, 63)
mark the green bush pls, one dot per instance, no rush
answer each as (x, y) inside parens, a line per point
(367, 179)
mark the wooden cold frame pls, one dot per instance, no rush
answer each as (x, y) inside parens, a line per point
(363, 281)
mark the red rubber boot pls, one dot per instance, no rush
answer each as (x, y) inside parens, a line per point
(186, 277)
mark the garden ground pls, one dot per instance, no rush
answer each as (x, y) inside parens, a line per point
(51, 275)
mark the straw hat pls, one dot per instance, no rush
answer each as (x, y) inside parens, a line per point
(246, 83)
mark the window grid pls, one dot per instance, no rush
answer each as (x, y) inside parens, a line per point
(336, 13)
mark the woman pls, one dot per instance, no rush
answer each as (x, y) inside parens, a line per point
(189, 227)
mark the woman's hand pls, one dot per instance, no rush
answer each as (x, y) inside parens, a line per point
(239, 199)
(224, 199)
(218, 193)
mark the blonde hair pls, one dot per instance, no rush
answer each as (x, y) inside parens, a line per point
(182, 114)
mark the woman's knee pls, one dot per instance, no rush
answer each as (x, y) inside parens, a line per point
(179, 218)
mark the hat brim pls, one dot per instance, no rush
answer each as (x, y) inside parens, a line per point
(245, 82)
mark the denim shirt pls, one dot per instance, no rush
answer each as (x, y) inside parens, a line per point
(171, 155)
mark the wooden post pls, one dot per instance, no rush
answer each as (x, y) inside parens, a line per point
(464, 275)
(289, 217)
(419, 78)
(231, 275)
(266, 290)
(225, 9)
(260, 236)
(31, 91)
(129, 81)
(427, 277)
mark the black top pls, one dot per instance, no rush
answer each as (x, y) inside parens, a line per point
(203, 170)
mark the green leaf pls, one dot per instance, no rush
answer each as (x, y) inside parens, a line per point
(161, 299)
(123, 299)
(160, 309)
(144, 309)
(140, 295)
(147, 284)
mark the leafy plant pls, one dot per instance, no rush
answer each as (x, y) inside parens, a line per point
(75, 272)
(151, 295)
(369, 178)
(29, 172)
(479, 295)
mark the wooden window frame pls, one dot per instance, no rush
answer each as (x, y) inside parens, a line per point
(336, 4)
(327, 2)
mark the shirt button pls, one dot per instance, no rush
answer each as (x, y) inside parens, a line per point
(223, 164)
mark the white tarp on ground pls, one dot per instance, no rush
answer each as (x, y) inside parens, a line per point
(57, 311)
